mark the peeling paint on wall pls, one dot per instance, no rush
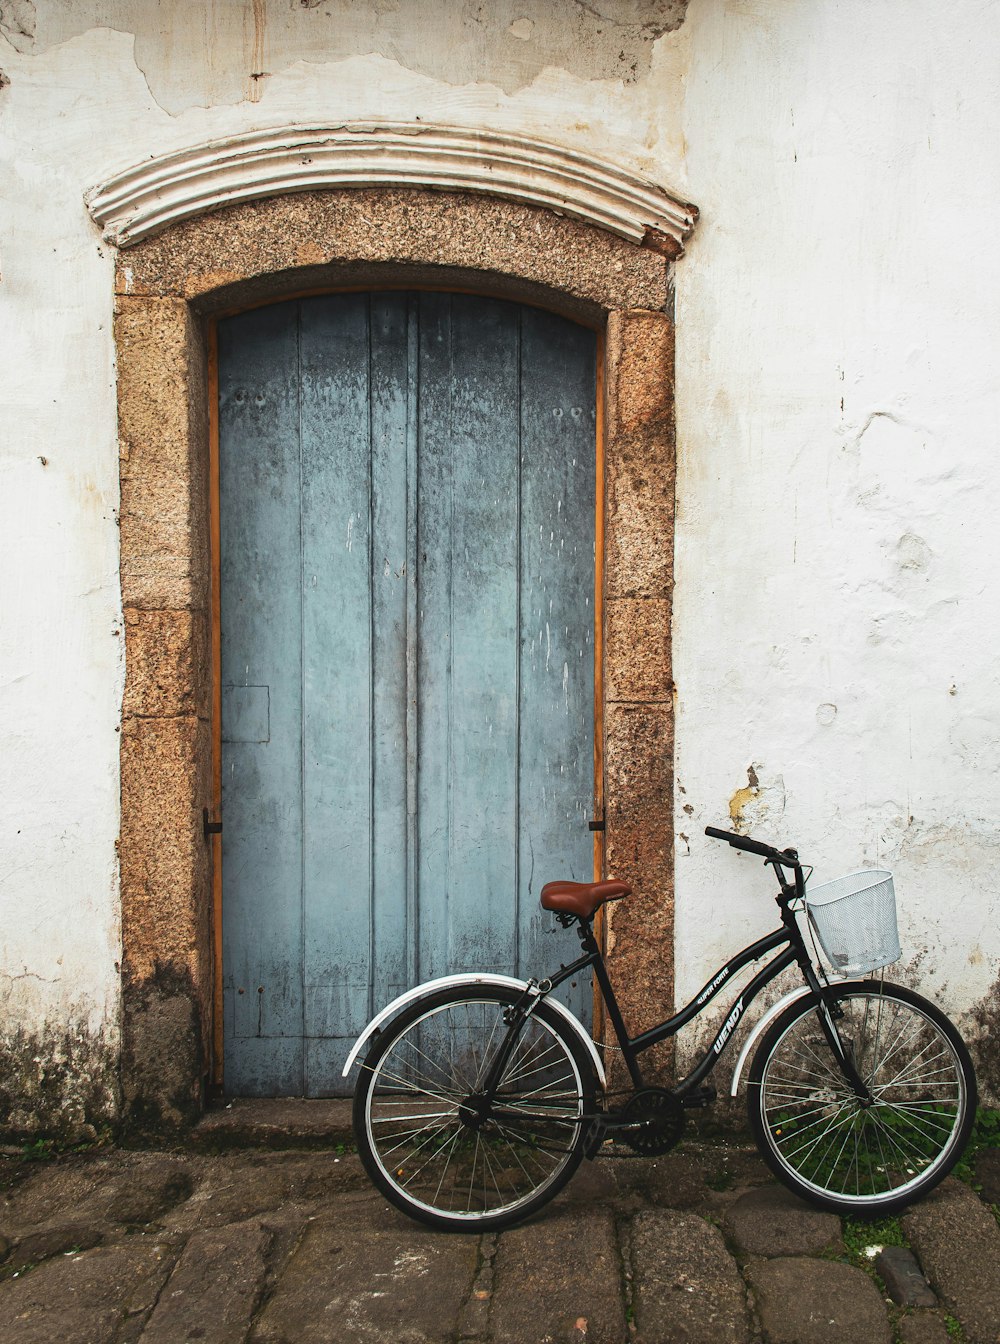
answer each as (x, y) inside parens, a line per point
(219, 54)
(758, 801)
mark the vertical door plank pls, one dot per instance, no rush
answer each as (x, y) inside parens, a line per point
(467, 666)
(556, 723)
(337, 644)
(391, 320)
(261, 701)
(431, 765)
(484, 680)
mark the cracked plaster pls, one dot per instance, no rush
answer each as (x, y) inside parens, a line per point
(507, 43)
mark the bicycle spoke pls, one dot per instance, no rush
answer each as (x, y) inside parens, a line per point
(451, 1146)
(830, 1141)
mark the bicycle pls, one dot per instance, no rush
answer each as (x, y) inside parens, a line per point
(480, 1095)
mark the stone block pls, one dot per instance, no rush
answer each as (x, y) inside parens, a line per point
(805, 1301)
(638, 764)
(923, 1327)
(375, 1277)
(640, 355)
(637, 649)
(164, 541)
(578, 1300)
(163, 1050)
(639, 526)
(771, 1221)
(163, 446)
(957, 1241)
(325, 238)
(905, 1284)
(167, 664)
(83, 1299)
(214, 1288)
(159, 347)
(165, 861)
(154, 581)
(686, 1284)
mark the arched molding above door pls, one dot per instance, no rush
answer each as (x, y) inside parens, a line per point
(169, 286)
(150, 196)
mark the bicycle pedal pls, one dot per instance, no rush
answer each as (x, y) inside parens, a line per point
(699, 1098)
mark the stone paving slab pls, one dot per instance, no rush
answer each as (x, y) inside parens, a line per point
(686, 1284)
(267, 1247)
(905, 1284)
(237, 1186)
(558, 1280)
(275, 1122)
(807, 1301)
(227, 1266)
(771, 1221)
(90, 1298)
(375, 1278)
(957, 1241)
(923, 1327)
(127, 1190)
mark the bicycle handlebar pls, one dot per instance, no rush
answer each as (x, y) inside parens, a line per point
(788, 858)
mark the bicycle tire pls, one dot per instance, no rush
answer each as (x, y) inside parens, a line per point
(457, 1168)
(821, 1141)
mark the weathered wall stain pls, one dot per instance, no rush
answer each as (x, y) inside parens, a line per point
(507, 43)
(163, 1052)
(982, 1035)
(17, 23)
(61, 1081)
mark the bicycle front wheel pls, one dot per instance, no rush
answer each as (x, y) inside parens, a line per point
(440, 1148)
(822, 1140)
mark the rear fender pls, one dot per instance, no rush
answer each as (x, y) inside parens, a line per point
(453, 982)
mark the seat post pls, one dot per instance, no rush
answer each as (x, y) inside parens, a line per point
(591, 946)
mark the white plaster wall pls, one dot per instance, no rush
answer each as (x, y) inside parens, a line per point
(838, 602)
(837, 614)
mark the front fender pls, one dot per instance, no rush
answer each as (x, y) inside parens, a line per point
(760, 1028)
(453, 981)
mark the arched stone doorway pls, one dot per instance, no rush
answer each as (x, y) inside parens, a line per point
(171, 286)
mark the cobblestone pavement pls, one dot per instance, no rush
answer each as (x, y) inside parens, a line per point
(271, 1247)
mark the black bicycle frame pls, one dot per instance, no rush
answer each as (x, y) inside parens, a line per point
(788, 937)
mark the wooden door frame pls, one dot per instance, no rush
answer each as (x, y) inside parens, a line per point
(171, 289)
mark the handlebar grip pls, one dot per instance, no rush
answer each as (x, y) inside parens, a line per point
(742, 842)
(788, 858)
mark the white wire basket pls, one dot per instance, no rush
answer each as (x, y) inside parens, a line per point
(854, 918)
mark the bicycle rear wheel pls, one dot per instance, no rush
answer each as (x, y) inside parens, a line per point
(827, 1145)
(439, 1149)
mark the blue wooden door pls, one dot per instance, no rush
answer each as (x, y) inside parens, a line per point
(407, 591)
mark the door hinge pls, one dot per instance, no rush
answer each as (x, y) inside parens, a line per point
(209, 826)
(596, 824)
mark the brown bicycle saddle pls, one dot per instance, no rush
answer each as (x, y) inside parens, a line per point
(581, 898)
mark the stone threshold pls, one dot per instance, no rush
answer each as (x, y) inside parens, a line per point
(274, 1122)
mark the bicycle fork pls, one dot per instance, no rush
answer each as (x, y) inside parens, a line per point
(843, 1053)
